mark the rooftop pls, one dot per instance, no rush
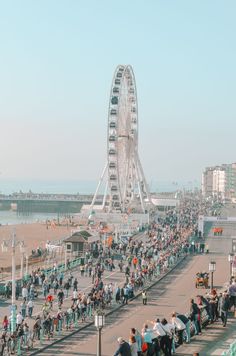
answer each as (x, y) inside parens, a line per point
(79, 236)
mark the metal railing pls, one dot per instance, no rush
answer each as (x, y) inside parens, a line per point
(231, 351)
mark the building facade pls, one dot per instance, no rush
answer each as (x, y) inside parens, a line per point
(220, 182)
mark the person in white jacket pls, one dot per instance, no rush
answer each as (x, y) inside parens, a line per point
(179, 326)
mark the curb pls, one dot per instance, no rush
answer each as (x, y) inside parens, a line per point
(36, 352)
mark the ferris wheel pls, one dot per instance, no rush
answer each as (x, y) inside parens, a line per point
(126, 188)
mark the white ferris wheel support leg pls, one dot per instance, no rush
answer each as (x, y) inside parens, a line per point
(105, 195)
(98, 186)
(139, 183)
(126, 180)
(143, 178)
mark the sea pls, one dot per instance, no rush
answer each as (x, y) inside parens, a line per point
(12, 218)
(67, 187)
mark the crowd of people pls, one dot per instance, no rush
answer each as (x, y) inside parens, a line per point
(140, 262)
(162, 336)
(65, 304)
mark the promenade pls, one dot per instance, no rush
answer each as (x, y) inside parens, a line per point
(156, 250)
(171, 294)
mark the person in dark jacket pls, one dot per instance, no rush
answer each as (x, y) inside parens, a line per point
(195, 316)
(224, 308)
(124, 348)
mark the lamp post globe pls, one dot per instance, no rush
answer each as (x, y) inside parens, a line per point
(212, 266)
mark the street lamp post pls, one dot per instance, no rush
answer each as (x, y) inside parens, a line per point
(65, 259)
(26, 265)
(22, 247)
(230, 259)
(13, 243)
(212, 268)
(99, 322)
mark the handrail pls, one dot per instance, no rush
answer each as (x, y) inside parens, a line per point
(231, 351)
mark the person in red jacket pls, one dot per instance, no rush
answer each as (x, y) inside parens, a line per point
(50, 300)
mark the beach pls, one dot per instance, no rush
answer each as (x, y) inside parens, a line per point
(34, 235)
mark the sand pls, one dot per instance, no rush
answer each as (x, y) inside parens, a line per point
(34, 235)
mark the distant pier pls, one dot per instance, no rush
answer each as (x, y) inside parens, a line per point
(62, 204)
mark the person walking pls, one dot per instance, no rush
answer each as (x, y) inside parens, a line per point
(144, 297)
(49, 300)
(24, 293)
(67, 287)
(19, 320)
(75, 284)
(60, 296)
(31, 291)
(23, 307)
(3, 342)
(117, 295)
(5, 323)
(126, 295)
(30, 307)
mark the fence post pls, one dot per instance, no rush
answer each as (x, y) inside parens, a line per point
(41, 335)
(76, 319)
(18, 346)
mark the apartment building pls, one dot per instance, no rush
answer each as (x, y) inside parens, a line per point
(220, 181)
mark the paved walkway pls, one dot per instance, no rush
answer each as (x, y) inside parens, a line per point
(172, 293)
(84, 285)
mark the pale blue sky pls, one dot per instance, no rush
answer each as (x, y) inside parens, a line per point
(56, 65)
